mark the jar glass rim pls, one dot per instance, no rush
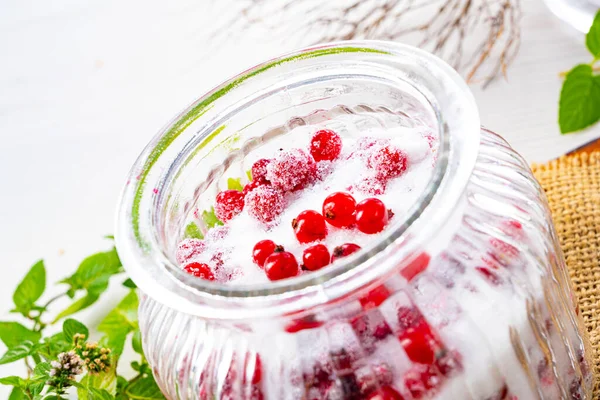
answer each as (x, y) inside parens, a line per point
(458, 125)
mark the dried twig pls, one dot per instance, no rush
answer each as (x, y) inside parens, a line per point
(480, 38)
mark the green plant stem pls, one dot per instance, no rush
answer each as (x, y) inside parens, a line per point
(29, 369)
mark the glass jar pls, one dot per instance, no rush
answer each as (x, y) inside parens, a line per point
(465, 297)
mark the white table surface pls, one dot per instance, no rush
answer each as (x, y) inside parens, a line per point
(84, 85)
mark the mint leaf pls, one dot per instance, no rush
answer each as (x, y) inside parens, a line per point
(12, 381)
(128, 283)
(210, 219)
(136, 342)
(13, 333)
(101, 381)
(31, 288)
(95, 270)
(120, 322)
(592, 39)
(193, 232)
(92, 275)
(235, 184)
(54, 345)
(17, 394)
(72, 327)
(579, 99)
(144, 389)
(42, 371)
(249, 174)
(18, 352)
(78, 305)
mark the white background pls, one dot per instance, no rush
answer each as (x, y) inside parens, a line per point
(85, 84)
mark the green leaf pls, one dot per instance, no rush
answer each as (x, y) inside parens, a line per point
(13, 333)
(579, 99)
(592, 39)
(42, 371)
(18, 352)
(12, 381)
(128, 283)
(210, 219)
(31, 288)
(95, 270)
(78, 305)
(235, 184)
(36, 387)
(120, 322)
(53, 397)
(249, 174)
(54, 345)
(193, 232)
(136, 342)
(144, 389)
(17, 394)
(100, 381)
(71, 327)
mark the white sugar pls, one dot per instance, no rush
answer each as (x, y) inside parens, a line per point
(401, 193)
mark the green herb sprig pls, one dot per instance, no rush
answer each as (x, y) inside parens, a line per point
(579, 105)
(69, 361)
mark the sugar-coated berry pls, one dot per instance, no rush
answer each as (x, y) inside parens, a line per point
(315, 257)
(259, 168)
(371, 184)
(385, 393)
(188, 249)
(292, 170)
(421, 380)
(309, 226)
(325, 145)
(371, 216)
(338, 209)
(387, 161)
(344, 250)
(250, 186)
(264, 203)
(228, 204)
(264, 249)
(199, 270)
(281, 265)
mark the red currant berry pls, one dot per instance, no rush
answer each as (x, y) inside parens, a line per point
(490, 276)
(308, 322)
(421, 380)
(254, 184)
(374, 298)
(281, 265)
(371, 216)
(229, 203)
(264, 203)
(386, 393)
(264, 249)
(325, 145)
(309, 226)
(371, 185)
(188, 249)
(338, 209)
(199, 270)
(256, 370)
(344, 251)
(387, 161)
(416, 266)
(259, 169)
(292, 170)
(315, 257)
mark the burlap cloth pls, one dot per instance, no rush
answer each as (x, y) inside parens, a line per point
(572, 184)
